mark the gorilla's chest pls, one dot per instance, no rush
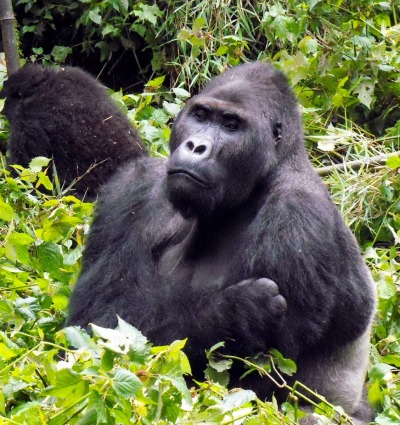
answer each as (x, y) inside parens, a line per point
(205, 261)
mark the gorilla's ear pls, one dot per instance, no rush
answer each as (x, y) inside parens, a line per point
(277, 132)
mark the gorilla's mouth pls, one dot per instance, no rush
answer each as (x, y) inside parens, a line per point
(186, 173)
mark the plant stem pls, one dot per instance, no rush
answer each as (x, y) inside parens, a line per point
(374, 161)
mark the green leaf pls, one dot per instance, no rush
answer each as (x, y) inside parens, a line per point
(365, 92)
(120, 5)
(183, 35)
(60, 53)
(77, 337)
(6, 211)
(287, 366)
(38, 163)
(89, 418)
(126, 384)
(44, 180)
(17, 247)
(198, 24)
(172, 108)
(375, 395)
(6, 353)
(148, 13)
(222, 50)
(221, 378)
(393, 162)
(312, 3)
(28, 413)
(137, 341)
(182, 93)
(49, 256)
(156, 83)
(361, 41)
(380, 371)
(237, 399)
(95, 16)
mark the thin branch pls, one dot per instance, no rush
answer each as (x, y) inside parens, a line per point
(8, 32)
(374, 161)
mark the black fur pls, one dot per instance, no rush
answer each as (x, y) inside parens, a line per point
(67, 115)
(236, 239)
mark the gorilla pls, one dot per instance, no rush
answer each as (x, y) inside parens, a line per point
(67, 115)
(234, 238)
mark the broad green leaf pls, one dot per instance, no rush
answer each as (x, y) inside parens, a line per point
(6, 211)
(38, 163)
(213, 375)
(183, 35)
(181, 92)
(69, 386)
(28, 413)
(77, 337)
(237, 399)
(126, 384)
(44, 180)
(381, 371)
(148, 13)
(6, 353)
(95, 16)
(60, 53)
(312, 3)
(287, 366)
(136, 339)
(375, 395)
(172, 108)
(156, 83)
(365, 92)
(17, 247)
(222, 50)
(393, 162)
(220, 364)
(198, 24)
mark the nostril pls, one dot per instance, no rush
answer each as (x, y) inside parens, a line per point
(190, 145)
(200, 149)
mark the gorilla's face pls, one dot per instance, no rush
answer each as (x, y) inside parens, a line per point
(222, 146)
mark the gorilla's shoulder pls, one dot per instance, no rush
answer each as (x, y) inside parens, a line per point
(136, 181)
(136, 194)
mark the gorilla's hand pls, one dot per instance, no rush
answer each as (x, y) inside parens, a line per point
(249, 312)
(258, 294)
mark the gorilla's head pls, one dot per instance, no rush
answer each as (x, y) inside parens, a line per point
(228, 138)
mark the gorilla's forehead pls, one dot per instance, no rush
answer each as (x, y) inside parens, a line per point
(256, 97)
(232, 94)
(223, 104)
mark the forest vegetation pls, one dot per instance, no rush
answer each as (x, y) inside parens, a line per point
(342, 58)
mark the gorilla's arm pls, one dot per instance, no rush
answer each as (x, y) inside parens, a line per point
(313, 258)
(132, 221)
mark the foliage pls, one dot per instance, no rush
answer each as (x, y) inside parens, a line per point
(108, 20)
(342, 58)
(152, 112)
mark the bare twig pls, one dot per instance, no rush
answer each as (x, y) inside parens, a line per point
(7, 22)
(374, 161)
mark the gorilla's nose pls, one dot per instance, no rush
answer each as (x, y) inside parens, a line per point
(195, 148)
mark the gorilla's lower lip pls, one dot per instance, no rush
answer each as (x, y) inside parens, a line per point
(186, 173)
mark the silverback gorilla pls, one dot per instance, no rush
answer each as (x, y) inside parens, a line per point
(234, 239)
(67, 115)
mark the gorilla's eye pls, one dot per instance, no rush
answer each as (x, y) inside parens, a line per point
(277, 131)
(231, 125)
(200, 115)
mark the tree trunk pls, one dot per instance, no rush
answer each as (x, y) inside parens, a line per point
(8, 32)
